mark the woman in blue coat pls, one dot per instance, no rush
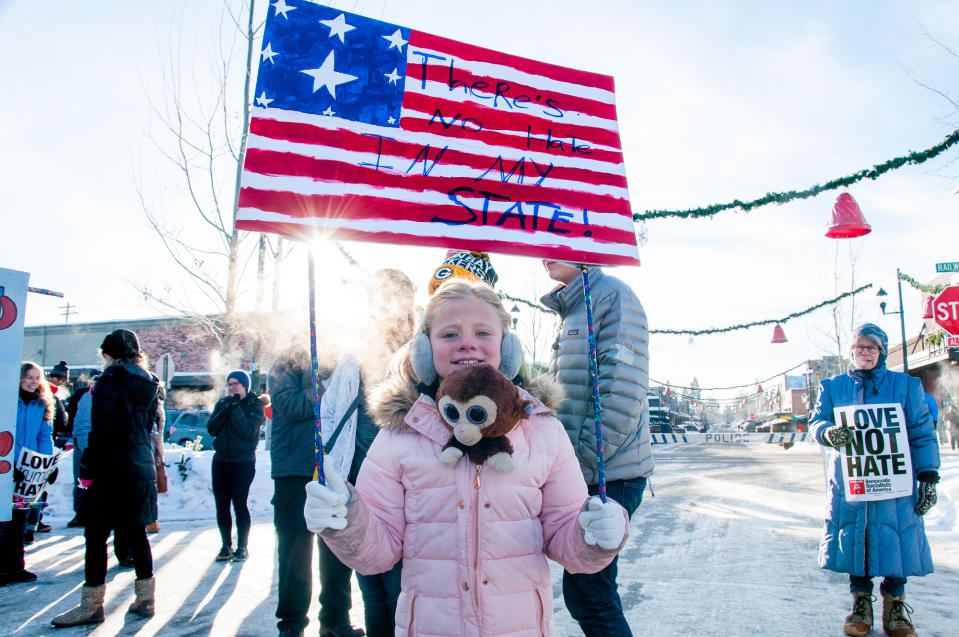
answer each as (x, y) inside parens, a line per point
(34, 431)
(884, 538)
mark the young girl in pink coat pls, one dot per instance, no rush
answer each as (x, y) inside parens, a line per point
(473, 540)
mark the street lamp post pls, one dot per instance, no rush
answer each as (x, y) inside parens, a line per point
(902, 319)
(515, 312)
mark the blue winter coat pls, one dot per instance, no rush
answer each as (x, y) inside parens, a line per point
(33, 432)
(885, 534)
(82, 422)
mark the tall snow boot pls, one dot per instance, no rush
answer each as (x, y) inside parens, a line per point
(144, 604)
(896, 615)
(90, 610)
(859, 621)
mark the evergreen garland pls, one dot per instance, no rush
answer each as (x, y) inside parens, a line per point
(758, 382)
(743, 326)
(783, 197)
(928, 289)
(714, 330)
(516, 299)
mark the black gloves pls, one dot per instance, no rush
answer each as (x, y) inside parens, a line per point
(17, 475)
(837, 436)
(926, 497)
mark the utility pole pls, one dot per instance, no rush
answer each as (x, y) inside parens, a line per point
(260, 267)
(67, 311)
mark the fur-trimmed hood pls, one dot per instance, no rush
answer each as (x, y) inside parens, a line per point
(389, 403)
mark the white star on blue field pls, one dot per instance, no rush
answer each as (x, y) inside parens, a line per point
(320, 60)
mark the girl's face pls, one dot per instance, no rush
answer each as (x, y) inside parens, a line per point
(865, 353)
(31, 381)
(465, 332)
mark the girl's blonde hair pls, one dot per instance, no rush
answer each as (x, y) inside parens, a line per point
(43, 389)
(459, 290)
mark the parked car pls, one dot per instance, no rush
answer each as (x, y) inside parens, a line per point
(750, 425)
(783, 425)
(661, 428)
(184, 426)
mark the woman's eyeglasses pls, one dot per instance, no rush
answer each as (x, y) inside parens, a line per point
(865, 349)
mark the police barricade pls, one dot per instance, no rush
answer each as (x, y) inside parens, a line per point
(731, 438)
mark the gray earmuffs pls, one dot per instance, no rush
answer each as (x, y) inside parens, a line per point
(421, 357)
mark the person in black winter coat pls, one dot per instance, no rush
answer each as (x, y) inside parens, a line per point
(117, 468)
(235, 427)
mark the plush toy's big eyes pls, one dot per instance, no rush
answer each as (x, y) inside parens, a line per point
(451, 413)
(478, 411)
(476, 414)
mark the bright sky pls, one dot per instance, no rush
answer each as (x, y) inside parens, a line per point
(716, 101)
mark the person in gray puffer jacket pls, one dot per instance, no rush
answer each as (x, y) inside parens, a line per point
(622, 350)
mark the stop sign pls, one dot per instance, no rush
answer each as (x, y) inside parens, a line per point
(945, 309)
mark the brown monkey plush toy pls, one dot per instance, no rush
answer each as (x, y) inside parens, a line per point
(480, 406)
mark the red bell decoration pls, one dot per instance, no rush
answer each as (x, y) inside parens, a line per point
(668, 391)
(846, 221)
(759, 389)
(779, 336)
(927, 308)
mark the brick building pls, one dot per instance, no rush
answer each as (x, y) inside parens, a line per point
(193, 346)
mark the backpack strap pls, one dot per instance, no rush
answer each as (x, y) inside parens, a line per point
(336, 433)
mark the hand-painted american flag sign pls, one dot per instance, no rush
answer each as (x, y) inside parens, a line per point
(369, 131)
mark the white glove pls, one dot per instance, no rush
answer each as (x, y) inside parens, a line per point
(325, 506)
(603, 524)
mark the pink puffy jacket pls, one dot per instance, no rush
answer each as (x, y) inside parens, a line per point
(474, 541)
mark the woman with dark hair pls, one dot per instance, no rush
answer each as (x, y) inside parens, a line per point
(878, 538)
(117, 467)
(235, 427)
(34, 431)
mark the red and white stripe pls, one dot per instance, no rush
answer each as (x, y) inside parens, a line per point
(306, 175)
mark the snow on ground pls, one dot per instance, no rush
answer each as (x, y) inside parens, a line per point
(190, 495)
(727, 546)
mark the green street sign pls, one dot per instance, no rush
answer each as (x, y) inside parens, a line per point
(948, 267)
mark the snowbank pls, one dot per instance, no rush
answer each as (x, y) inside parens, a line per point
(190, 494)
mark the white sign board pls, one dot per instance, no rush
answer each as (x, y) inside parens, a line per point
(165, 369)
(13, 301)
(36, 468)
(877, 464)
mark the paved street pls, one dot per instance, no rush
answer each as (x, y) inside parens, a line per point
(727, 546)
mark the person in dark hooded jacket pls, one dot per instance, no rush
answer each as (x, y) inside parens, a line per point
(235, 427)
(118, 469)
